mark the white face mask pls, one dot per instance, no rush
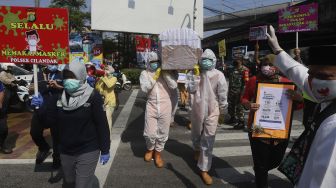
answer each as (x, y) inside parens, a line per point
(267, 70)
(323, 90)
(32, 42)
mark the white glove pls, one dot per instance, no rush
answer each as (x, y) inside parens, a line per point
(172, 84)
(272, 40)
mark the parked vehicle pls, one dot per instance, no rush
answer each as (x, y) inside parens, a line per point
(24, 97)
(20, 73)
(122, 82)
(20, 98)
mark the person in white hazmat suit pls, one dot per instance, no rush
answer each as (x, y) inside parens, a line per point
(209, 91)
(159, 86)
(319, 82)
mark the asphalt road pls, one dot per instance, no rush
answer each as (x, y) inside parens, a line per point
(232, 162)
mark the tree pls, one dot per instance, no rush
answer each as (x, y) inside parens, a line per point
(77, 17)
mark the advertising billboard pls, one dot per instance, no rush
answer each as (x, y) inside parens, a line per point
(146, 16)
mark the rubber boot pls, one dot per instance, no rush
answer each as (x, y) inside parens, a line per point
(207, 179)
(148, 155)
(158, 160)
(196, 155)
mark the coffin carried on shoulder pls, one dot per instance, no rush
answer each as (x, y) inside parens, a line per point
(180, 49)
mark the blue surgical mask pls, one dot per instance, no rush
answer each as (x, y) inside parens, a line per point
(206, 64)
(154, 65)
(71, 85)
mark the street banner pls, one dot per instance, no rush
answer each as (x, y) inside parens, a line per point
(34, 35)
(258, 33)
(298, 18)
(222, 48)
(239, 52)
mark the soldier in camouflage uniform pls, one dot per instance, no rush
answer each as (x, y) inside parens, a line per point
(236, 89)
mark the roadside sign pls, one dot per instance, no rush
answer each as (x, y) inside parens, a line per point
(34, 35)
(298, 18)
(258, 33)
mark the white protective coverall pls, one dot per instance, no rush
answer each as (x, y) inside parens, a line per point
(320, 167)
(159, 106)
(209, 92)
(174, 99)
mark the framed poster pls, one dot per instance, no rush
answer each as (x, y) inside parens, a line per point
(274, 117)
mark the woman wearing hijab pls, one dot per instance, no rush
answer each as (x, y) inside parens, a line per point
(84, 132)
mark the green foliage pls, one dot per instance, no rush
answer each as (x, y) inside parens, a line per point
(133, 75)
(77, 18)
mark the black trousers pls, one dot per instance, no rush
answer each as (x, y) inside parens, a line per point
(3, 130)
(3, 117)
(265, 157)
(38, 124)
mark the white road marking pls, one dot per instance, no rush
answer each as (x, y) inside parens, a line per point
(102, 171)
(243, 135)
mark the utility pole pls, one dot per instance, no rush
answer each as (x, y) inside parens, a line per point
(296, 33)
(37, 4)
(194, 15)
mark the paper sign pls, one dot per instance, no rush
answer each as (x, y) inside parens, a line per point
(258, 33)
(34, 35)
(239, 52)
(298, 18)
(182, 78)
(222, 48)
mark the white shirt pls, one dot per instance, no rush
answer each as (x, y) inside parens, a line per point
(320, 167)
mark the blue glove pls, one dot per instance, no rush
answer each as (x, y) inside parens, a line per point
(104, 158)
(91, 81)
(37, 101)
